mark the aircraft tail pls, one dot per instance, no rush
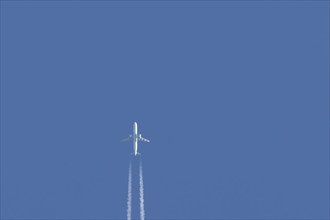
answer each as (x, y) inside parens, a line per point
(137, 153)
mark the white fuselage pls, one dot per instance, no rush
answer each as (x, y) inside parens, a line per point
(135, 138)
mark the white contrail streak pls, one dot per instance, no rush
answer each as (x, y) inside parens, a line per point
(141, 193)
(129, 196)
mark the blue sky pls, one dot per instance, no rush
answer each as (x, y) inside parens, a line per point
(233, 95)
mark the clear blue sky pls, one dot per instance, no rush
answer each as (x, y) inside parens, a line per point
(233, 95)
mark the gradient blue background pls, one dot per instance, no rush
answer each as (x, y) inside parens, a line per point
(233, 95)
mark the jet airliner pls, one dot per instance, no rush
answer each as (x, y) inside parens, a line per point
(136, 137)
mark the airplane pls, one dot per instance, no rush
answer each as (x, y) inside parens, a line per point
(135, 137)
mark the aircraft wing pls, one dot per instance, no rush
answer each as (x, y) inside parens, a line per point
(144, 139)
(127, 139)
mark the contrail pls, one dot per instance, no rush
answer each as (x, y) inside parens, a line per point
(129, 196)
(141, 193)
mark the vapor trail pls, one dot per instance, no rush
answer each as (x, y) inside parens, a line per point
(129, 196)
(141, 193)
